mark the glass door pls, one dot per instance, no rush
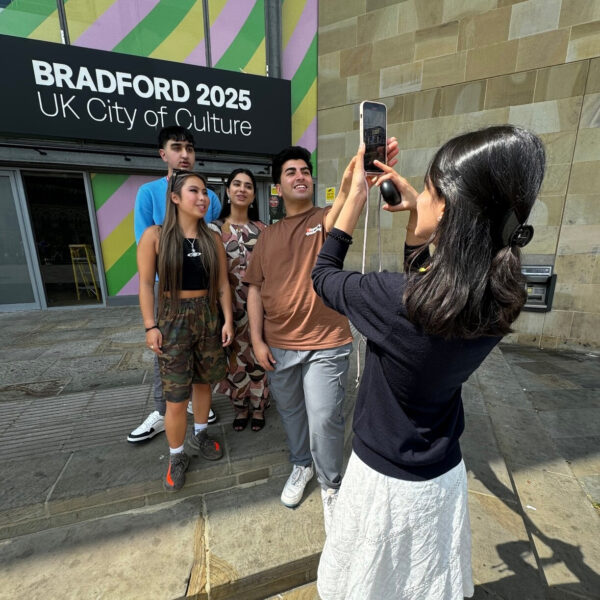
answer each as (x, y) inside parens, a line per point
(17, 290)
(63, 238)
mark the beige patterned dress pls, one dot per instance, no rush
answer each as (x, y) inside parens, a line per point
(246, 381)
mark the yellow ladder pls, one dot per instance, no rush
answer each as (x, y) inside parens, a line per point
(83, 261)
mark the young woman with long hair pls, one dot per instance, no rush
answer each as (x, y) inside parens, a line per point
(239, 228)
(188, 339)
(400, 528)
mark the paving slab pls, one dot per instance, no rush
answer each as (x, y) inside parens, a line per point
(504, 565)
(571, 422)
(559, 399)
(473, 402)
(26, 486)
(305, 592)
(256, 546)
(523, 441)
(17, 371)
(565, 530)
(486, 469)
(32, 389)
(140, 554)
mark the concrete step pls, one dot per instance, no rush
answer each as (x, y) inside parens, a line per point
(70, 477)
(240, 543)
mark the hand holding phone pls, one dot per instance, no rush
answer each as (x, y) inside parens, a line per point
(373, 132)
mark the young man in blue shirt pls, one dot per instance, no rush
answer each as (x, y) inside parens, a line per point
(176, 148)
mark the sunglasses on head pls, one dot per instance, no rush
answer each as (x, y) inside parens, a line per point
(178, 173)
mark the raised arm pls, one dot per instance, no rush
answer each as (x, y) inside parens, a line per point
(256, 318)
(345, 185)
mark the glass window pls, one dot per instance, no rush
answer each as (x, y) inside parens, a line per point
(15, 283)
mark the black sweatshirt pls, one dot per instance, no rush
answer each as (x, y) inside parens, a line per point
(408, 415)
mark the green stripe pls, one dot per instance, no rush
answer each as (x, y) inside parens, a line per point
(21, 17)
(314, 161)
(246, 41)
(151, 31)
(122, 271)
(305, 75)
(104, 186)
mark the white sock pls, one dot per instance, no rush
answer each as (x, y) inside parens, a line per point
(198, 427)
(176, 450)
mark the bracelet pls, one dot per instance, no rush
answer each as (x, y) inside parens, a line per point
(153, 327)
(340, 237)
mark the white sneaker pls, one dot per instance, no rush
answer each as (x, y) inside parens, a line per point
(329, 497)
(294, 486)
(212, 416)
(153, 424)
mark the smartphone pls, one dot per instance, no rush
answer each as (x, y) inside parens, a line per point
(373, 132)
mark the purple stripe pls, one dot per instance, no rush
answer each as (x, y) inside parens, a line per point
(114, 24)
(198, 56)
(119, 205)
(131, 288)
(309, 137)
(301, 39)
(223, 31)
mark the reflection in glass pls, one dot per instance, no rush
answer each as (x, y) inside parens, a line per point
(15, 284)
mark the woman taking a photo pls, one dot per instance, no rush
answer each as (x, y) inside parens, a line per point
(239, 228)
(192, 274)
(400, 528)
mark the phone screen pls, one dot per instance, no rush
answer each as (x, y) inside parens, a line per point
(373, 119)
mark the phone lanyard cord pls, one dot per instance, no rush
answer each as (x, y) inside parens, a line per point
(361, 338)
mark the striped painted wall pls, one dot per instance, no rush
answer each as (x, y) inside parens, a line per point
(299, 41)
(114, 197)
(173, 30)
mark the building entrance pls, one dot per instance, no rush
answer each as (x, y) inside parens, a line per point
(62, 234)
(47, 251)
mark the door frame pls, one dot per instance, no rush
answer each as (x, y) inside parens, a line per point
(28, 238)
(28, 244)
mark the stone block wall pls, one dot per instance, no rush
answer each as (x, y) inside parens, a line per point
(444, 67)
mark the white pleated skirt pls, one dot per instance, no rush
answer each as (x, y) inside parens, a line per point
(392, 539)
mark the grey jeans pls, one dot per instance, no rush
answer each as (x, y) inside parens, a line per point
(309, 388)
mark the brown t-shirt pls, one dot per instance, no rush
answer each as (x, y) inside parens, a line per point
(295, 317)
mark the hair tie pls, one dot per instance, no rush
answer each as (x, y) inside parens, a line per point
(515, 233)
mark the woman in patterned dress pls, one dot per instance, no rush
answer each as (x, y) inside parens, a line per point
(239, 227)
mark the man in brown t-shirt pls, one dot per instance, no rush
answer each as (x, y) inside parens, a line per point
(303, 345)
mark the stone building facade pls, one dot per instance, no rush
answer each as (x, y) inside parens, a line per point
(444, 67)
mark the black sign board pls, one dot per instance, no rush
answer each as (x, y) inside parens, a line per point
(57, 91)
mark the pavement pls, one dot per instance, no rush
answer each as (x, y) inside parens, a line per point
(83, 513)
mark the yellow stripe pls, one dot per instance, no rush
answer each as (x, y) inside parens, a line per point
(81, 14)
(48, 30)
(305, 113)
(214, 9)
(181, 42)
(257, 64)
(291, 11)
(118, 241)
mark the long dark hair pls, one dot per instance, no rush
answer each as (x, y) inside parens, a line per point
(226, 205)
(170, 257)
(473, 285)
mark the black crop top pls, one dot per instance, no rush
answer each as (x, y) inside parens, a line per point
(194, 275)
